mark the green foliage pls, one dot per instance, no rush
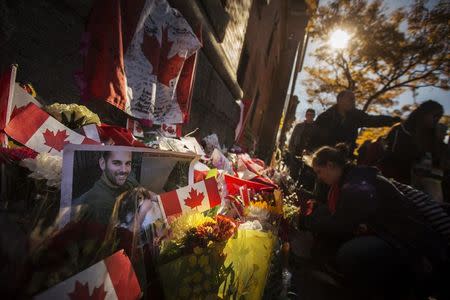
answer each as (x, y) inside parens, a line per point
(387, 54)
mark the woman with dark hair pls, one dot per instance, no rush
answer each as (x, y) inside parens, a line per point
(408, 142)
(138, 211)
(137, 222)
(370, 234)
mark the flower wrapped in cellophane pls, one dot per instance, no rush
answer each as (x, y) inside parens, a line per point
(211, 259)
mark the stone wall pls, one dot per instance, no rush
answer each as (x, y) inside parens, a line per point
(239, 12)
(213, 107)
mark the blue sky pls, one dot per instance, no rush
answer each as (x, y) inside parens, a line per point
(406, 98)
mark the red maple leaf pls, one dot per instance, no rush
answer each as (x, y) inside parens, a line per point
(151, 49)
(81, 292)
(138, 128)
(168, 129)
(195, 198)
(55, 141)
(99, 293)
(164, 68)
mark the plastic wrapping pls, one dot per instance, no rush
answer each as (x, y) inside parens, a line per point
(235, 269)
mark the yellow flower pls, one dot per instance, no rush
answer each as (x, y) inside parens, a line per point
(187, 221)
(260, 210)
(207, 270)
(263, 205)
(197, 277)
(198, 251)
(203, 261)
(184, 292)
(192, 261)
(197, 290)
(188, 279)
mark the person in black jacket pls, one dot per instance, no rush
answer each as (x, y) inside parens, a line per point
(340, 123)
(300, 141)
(370, 234)
(408, 142)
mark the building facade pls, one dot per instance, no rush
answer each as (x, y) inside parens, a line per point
(251, 49)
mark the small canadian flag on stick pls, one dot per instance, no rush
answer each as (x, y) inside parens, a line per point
(200, 196)
(12, 98)
(111, 278)
(39, 131)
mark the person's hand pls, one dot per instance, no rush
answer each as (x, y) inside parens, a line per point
(146, 206)
(143, 209)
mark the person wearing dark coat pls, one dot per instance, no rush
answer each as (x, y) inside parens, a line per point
(408, 142)
(302, 134)
(300, 141)
(366, 230)
(340, 123)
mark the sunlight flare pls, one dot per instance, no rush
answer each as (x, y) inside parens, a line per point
(339, 39)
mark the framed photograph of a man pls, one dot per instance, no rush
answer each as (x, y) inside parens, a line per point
(95, 176)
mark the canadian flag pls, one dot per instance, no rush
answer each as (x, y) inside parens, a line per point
(252, 169)
(111, 278)
(171, 130)
(235, 183)
(12, 98)
(244, 192)
(39, 131)
(200, 196)
(111, 135)
(135, 127)
(140, 57)
(198, 171)
(253, 165)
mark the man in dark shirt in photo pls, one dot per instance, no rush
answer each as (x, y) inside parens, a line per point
(97, 204)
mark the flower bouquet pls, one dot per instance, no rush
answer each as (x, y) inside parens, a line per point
(209, 258)
(30, 185)
(192, 262)
(72, 115)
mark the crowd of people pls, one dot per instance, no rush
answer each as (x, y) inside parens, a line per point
(377, 221)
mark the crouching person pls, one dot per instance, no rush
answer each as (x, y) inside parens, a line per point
(371, 234)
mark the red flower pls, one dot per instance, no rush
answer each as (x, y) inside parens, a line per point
(16, 154)
(220, 231)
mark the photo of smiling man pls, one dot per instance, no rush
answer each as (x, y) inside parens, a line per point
(98, 202)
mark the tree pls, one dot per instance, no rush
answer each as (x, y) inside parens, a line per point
(387, 54)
